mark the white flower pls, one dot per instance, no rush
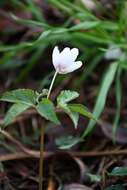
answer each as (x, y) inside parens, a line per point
(64, 62)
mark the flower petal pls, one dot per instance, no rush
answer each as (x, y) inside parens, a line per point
(65, 51)
(75, 65)
(64, 62)
(74, 53)
(65, 56)
(56, 56)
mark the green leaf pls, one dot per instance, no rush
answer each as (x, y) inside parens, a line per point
(118, 171)
(29, 22)
(47, 110)
(62, 100)
(101, 99)
(14, 111)
(85, 25)
(81, 109)
(74, 117)
(25, 96)
(66, 96)
(118, 90)
(93, 177)
(108, 25)
(66, 142)
(115, 187)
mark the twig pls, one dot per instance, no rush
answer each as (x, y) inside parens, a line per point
(100, 153)
(22, 155)
(13, 156)
(36, 154)
(19, 145)
(33, 153)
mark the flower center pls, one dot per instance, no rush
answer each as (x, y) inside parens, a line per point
(60, 68)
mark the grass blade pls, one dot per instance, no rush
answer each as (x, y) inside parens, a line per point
(101, 99)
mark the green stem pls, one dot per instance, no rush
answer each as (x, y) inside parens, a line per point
(41, 159)
(51, 85)
(42, 142)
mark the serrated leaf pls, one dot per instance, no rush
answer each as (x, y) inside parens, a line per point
(118, 171)
(14, 111)
(66, 96)
(47, 110)
(73, 115)
(81, 109)
(66, 142)
(25, 96)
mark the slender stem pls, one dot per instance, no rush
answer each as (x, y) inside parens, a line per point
(41, 159)
(42, 142)
(51, 85)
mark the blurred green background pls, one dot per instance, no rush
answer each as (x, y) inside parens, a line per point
(29, 30)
